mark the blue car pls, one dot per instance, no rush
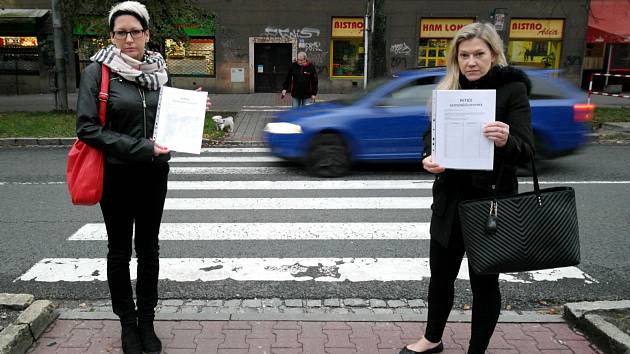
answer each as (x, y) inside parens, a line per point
(387, 122)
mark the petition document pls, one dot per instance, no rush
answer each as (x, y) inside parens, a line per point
(457, 120)
(180, 118)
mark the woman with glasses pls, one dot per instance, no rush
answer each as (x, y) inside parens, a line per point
(136, 168)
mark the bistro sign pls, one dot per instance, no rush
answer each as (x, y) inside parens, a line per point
(347, 27)
(534, 28)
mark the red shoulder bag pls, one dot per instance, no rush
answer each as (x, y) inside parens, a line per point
(86, 165)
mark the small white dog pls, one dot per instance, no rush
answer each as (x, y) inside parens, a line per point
(226, 123)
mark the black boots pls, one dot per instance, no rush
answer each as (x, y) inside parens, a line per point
(130, 339)
(150, 342)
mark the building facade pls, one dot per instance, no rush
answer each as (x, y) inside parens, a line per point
(248, 45)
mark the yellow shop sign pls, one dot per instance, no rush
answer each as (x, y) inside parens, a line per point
(442, 27)
(535, 29)
(347, 27)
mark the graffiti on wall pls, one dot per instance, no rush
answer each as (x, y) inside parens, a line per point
(304, 33)
(400, 49)
(398, 53)
(307, 38)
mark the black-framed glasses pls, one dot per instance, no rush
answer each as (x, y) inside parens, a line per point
(135, 34)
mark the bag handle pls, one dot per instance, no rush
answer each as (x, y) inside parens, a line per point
(491, 223)
(103, 95)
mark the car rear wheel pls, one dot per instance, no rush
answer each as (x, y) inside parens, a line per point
(328, 156)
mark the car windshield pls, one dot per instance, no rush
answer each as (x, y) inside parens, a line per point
(372, 85)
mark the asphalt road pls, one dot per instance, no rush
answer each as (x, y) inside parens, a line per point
(36, 219)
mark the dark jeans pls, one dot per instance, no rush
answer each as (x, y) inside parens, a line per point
(133, 194)
(445, 264)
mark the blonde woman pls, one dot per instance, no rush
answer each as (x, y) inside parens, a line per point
(475, 61)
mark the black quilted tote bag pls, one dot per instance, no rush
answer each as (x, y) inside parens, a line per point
(527, 231)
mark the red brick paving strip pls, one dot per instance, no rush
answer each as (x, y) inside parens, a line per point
(292, 337)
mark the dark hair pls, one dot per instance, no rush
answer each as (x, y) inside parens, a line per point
(143, 21)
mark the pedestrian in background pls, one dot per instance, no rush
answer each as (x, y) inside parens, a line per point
(475, 61)
(301, 81)
(136, 168)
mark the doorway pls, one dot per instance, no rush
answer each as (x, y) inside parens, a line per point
(271, 65)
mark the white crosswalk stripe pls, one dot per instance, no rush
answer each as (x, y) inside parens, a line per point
(274, 231)
(289, 196)
(275, 269)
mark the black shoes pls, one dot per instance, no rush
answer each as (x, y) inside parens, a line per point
(130, 339)
(438, 349)
(150, 341)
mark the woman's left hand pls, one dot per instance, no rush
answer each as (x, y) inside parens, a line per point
(208, 102)
(497, 132)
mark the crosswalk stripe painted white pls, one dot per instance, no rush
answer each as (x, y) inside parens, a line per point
(234, 150)
(215, 159)
(227, 170)
(301, 185)
(297, 203)
(273, 231)
(277, 269)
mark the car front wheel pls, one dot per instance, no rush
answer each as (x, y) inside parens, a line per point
(328, 156)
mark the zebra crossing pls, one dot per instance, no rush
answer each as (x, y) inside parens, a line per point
(268, 201)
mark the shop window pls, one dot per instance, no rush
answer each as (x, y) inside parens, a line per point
(195, 58)
(432, 52)
(19, 55)
(347, 58)
(536, 53)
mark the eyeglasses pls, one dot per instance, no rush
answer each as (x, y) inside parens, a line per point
(135, 34)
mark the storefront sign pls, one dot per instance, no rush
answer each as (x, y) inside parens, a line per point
(536, 29)
(347, 27)
(442, 27)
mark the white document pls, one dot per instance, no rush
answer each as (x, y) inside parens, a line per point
(457, 120)
(180, 118)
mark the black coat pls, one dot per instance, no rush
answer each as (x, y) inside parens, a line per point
(452, 186)
(128, 125)
(301, 81)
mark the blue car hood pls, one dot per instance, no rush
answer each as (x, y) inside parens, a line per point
(307, 111)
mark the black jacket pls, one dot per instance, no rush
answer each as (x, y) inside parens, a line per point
(452, 186)
(301, 81)
(128, 125)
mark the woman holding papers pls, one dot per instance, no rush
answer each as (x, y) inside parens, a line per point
(136, 169)
(475, 61)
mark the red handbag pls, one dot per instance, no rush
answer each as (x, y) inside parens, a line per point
(86, 165)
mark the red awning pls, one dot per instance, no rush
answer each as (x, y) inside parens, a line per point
(608, 22)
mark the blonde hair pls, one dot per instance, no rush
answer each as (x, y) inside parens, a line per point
(483, 31)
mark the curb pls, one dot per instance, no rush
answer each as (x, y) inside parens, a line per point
(585, 316)
(17, 337)
(276, 309)
(67, 142)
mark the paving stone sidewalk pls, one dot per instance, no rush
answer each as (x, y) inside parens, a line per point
(266, 337)
(310, 326)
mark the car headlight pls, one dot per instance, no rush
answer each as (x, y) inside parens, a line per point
(283, 128)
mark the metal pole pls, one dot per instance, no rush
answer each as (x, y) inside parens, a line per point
(365, 44)
(610, 48)
(60, 62)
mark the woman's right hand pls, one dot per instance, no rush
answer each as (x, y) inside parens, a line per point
(159, 150)
(431, 165)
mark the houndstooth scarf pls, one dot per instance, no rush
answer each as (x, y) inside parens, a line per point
(150, 73)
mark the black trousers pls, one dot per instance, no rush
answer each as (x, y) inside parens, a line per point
(445, 263)
(133, 195)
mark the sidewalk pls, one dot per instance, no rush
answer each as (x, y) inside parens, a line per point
(302, 326)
